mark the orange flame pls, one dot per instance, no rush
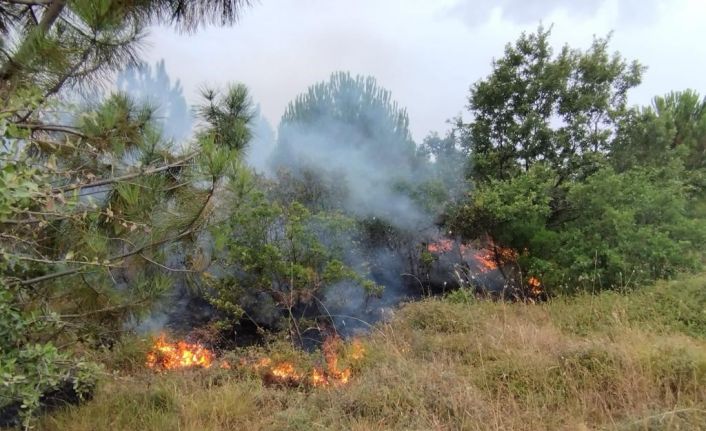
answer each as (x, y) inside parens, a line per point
(262, 363)
(168, 356)
(535, 286)
(318, 378)
(332, 374)
(285, 370)
(285, 373)
(489, 258)
(357, 350)
(441, 246)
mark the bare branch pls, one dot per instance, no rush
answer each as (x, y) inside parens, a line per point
(51, 128)
(28, 2)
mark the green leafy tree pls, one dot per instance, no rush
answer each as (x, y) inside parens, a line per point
(628, 229)
(544, 135)
(621, 230)
(31, 368)
(538, 106)
(445, 171)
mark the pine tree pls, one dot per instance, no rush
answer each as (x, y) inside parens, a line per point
(93, 199)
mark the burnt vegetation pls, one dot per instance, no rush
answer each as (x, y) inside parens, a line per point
(543, 255)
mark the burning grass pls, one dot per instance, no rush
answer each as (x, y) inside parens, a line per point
(286, 373)
(170, 356)
(615, 362)
(166, 355)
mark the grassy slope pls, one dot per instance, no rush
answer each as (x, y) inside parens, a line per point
(624, 362)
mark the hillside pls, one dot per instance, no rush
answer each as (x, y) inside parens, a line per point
(633, 361)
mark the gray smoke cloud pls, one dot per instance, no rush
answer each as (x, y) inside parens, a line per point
(352, 312)
(262, 143)
(354, 142)
(350, 130)
(152, 85)
(369, 179)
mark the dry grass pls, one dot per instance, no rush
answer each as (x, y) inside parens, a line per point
(617, 362)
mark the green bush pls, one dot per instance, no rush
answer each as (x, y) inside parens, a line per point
(31, 369)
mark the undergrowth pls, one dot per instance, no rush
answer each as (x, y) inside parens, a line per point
(631, 361)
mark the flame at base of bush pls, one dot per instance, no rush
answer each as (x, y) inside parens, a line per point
(535, 286)
(486, 257)
(169, 356)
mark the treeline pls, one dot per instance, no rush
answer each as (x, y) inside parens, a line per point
(102, 216)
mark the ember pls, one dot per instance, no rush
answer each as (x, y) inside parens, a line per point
(486, 259)
(485, 266)
(169, 356)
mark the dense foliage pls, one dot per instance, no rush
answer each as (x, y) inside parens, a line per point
(536, 106)
(593, 194)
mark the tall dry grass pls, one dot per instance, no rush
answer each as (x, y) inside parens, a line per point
(611, 361)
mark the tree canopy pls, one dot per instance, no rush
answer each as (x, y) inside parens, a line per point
(592, 193)
(351, 112)
(536, 106)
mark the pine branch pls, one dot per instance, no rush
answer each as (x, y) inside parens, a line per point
(52, 12)
(138, 250)
(59, 83)
(104, 310)
(32, 18)
(188, 231)
(126, 177)
(51, 128)
(58, 262)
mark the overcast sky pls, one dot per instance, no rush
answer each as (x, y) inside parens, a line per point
(426, 52)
